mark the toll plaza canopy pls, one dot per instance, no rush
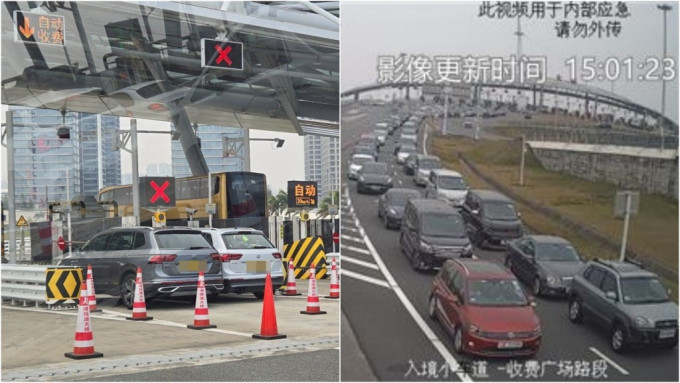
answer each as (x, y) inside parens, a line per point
(143, 60)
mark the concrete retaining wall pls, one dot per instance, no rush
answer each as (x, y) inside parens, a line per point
(647, 170)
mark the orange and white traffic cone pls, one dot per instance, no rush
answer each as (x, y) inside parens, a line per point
(268, 329)
(139, 306)
(335, 286)
(83, 345)
(291, 287)
(90, 291)
(201, 319)
(313, 307)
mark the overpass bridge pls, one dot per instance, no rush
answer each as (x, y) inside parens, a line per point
(143, 60)
(592, 97)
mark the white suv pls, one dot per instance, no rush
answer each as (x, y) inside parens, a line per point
(247, 256)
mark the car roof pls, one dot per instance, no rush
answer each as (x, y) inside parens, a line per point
(625, 268)
(228, 230)
(446, 172)
(491, 195)
(547, 239)
(481, 269)
(403, 191)
(432, 205)
(361, 155)
(427, 157)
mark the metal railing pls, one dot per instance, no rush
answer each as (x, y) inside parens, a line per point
(23, 283)
(601, 137)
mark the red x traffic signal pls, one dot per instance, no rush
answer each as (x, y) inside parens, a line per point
(221, 54)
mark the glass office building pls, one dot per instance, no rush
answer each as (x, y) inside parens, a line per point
(212, 147)
(322, 163)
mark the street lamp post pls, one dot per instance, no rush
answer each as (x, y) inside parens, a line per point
(11, 195)
(665, 8)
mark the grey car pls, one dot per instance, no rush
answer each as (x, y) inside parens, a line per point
(373, 177)
(170, 258)
(247, 256)
(391, 206)
(547, 263)
(492, 218)
(630, 302)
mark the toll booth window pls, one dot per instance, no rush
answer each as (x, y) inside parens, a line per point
(122, 196)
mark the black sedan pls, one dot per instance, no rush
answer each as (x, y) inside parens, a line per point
(373, 177)
(391, 206)
(547, 263)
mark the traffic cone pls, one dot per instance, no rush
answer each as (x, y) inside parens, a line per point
(268, 328)
(291, 287)
(335, 286)
(139, 306)
(313, 307)
(90, 291)
(201, 319)
(83, 345)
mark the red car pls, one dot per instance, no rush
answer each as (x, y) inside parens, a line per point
(483, 306)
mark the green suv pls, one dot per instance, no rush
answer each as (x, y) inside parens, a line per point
(629, 300)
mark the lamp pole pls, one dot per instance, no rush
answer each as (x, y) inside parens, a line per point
(665, 8)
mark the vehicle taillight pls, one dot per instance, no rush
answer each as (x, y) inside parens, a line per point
(230, 257)
(215, 256)
(158, 259)
(277, 255)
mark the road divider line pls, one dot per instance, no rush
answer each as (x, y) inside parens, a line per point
(350, 229)
(353, 239)
(608, 360)
(356, 249)
(360, 263)
(377, 282)
(429, 333)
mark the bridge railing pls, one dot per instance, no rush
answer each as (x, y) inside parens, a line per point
(601, 137)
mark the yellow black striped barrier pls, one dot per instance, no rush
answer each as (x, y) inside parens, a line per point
(303, 253)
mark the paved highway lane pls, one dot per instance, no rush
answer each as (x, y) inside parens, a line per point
(565, 347)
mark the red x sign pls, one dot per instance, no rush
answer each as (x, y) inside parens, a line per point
(160, 191)
(223, 54)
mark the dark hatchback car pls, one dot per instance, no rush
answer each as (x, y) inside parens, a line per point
(373, 177)
(547, 263)
(170, 259)
(391, 206)
(492, 218)
(432, 232)
(483, 307)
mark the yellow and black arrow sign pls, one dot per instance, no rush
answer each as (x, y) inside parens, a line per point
(63, 283)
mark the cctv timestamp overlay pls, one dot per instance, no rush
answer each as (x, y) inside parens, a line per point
(614, 68)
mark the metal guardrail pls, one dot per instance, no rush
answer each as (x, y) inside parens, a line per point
(23, 283)
(601, 137)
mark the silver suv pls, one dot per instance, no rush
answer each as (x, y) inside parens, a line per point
(629, 300)
(247, 256)
(170, 259)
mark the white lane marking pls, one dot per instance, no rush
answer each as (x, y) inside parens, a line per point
(425, 141)
(355, 249)
(605, 357)
(364, 278)
(431, 336)
(350, 229)
(360, 263)
(399, 182)
(353, 239)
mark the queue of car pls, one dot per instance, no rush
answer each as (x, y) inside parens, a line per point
(481, 304)
(233, 260)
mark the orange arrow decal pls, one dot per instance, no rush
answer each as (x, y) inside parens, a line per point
(26, 30)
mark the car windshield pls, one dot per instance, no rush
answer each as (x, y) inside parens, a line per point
(360, 160)
(500, 210)
(407, 149)
(364, 150)
(496, 292)
(562, 252)
(181, 241)
(641, 290)
(443, 225)
(246, 240)
(379, 132)
(430, 163)
(452, 183)
(400, 199)
(375, 168)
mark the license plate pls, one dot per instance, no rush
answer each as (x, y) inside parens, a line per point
(257, 266)
(375, 187)
(510, 344)
(669, 333)
(192, 266)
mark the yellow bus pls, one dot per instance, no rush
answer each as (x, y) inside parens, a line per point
(240, 199)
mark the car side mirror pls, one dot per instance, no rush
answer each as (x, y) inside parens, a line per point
(610, 295)
(475, 211)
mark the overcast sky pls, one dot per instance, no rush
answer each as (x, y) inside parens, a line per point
(370, 29)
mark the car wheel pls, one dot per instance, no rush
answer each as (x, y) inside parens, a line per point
(432, 308)
(415, 261)
(212, 297)
(537, 287)
(575, 310)
(618, 340)
(258, 294)
(458, 340)
(127, 290)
